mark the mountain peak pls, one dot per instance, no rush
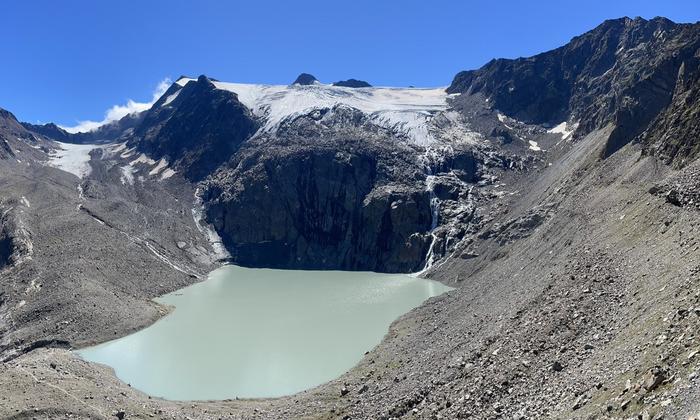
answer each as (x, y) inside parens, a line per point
(305, 79)
(7, 114)
(352, 83)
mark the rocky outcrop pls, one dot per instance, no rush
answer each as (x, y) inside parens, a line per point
(107, 132)
(305, 79)
(15, 239)
(11, 132)
(673, 135)
(6, 249)
(52, 131)
(625, 72)
(201, 129)
(352, 83)
(681, 188)
(5, 149)
(321, 210)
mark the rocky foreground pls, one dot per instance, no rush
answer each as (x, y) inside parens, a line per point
(566, 221)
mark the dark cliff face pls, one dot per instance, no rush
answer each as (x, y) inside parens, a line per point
(623, 72)
(675, 133)
(319, 209)
(305, 79)
(329, 190)
(198, 131)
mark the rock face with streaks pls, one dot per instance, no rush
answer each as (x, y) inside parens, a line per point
(335, 195)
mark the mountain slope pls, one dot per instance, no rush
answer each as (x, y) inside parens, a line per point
(623, 72)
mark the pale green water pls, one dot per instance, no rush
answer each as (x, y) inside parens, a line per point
(261, 333)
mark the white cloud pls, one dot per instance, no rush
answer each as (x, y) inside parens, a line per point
(117, 112)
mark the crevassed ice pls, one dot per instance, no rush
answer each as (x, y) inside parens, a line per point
(406, 110)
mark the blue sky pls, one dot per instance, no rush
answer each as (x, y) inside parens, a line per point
(68, 61)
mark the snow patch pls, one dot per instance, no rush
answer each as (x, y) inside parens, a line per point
(73, 158)
(165, 259)
(162, 164)
(170, 98)
(563, 129)
(127, 176)
(504, 120)
(142, 159)
(25, 202)
(119, 147)
(127, 153)
(167, 174)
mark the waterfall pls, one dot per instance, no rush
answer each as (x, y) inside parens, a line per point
(220, 251)
(434, 215)
(434, 201)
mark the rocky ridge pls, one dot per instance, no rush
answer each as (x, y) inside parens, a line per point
(626, 71)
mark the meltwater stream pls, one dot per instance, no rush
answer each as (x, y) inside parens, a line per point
(261, 333)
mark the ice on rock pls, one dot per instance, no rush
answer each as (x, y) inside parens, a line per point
(406, 110)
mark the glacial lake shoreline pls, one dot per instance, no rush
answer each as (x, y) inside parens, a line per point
(282, 332)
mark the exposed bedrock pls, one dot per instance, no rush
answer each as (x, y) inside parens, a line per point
(332, 190)
(321, 209)
(6, 249)
(15, 240)
(201, 130)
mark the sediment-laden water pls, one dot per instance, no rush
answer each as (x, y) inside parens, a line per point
(261, 333)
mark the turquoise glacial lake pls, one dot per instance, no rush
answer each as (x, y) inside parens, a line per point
(252, 333)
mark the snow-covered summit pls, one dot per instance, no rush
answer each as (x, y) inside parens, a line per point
(405, 110)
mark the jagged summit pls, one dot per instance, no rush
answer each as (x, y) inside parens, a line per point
(50, 130)
(621, 72)
(6, 114)
(305, 79)
(352, 83)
